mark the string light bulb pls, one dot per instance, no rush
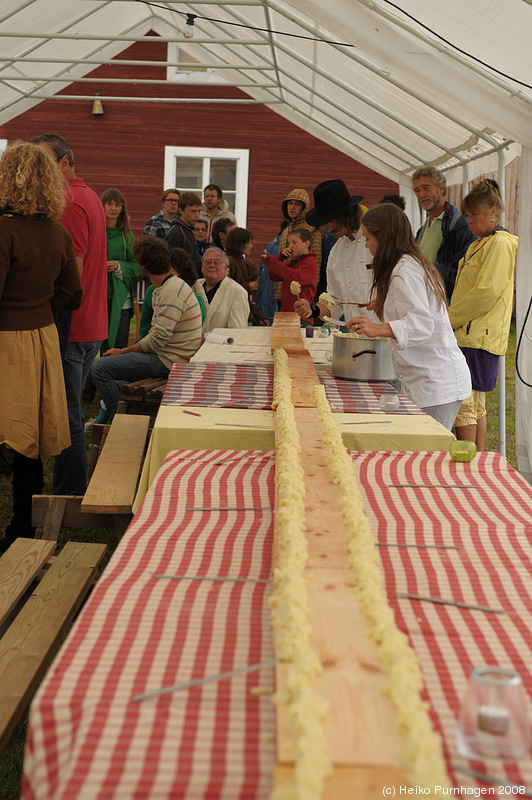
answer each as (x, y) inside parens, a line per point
(188, 30)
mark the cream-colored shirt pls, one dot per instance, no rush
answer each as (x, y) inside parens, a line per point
(348, 277)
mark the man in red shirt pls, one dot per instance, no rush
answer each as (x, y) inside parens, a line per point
(84, 219)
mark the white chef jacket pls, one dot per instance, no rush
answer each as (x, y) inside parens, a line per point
(348, 277)
(428, 362)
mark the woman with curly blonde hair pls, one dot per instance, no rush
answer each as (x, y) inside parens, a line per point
(29, 184)
(37, 270)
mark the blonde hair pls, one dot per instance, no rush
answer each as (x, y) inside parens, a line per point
(30, 182)
(482, 198)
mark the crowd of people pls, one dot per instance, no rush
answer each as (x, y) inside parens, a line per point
(70, 265)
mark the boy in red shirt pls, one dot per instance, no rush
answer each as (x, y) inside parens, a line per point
(302, 269)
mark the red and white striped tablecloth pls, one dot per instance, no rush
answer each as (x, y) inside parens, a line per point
(247, 386)
(86, 739)
(491, 525)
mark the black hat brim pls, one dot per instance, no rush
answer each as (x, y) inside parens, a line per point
(316, 220)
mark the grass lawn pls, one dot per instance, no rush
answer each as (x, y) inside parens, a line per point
(12, 757)
(492, 406)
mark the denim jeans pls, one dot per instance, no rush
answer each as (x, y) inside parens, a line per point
(108, 370)
(70, 469)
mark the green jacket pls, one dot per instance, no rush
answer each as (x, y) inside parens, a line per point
(119, 249)
(482, 300)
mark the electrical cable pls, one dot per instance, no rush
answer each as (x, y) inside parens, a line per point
(455, 47)
(519, 347)
(241, 25)
(344, 44)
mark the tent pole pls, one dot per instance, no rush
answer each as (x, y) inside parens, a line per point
(502, 359)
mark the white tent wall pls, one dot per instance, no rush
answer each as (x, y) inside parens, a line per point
(523, 407)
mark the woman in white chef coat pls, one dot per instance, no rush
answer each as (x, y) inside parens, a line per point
(408, 296)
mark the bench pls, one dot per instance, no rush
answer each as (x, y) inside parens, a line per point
(142, 397)
(109, 498)
(36, 614)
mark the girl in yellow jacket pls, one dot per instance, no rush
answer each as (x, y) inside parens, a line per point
(481, 304)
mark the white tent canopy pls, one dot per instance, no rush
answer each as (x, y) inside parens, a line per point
(392, 86)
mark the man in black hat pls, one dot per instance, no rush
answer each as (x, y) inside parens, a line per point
(349, 279)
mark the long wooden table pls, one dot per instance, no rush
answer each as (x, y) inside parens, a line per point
(228, 406)
(252, 345)
(450, 531)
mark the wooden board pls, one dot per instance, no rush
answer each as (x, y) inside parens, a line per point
(286, 319)
(114, 481)
(361, 740)
(304, 377)
(19, 567)
(353, 783)
(73, 516)
(30, 642)
(286, 332)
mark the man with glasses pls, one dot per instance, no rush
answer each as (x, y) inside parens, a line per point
(226, 301)
(159, 225)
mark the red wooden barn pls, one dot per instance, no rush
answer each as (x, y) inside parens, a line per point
(143, 147)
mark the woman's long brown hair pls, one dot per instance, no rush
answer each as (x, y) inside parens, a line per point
(391, 228)
(115, 195)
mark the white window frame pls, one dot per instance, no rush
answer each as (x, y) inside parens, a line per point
(183, 75)
(241, 157)
(3, 145)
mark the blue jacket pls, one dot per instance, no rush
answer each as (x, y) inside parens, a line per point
(456, 238)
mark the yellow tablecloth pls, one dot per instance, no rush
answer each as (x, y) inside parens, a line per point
(175, 429)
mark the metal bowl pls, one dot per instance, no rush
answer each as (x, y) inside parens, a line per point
(362, 359)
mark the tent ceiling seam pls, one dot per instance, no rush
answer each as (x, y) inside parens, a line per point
(30, 94)
(377, 70)
(331, 116)
(360, 96)
(366, 126)
(272, 49)
(446, 49)
(237, 41)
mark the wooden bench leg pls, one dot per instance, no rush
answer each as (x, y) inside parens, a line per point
(121, 522)
(53, 519)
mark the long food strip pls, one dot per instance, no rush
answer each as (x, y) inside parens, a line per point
(299, 367)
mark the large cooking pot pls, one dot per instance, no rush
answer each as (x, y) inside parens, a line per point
(362, 359)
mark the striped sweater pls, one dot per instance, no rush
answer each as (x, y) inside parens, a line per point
(176, 329)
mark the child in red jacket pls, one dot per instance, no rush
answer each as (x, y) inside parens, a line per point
(302, 269)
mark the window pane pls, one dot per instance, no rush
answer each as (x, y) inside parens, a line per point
(230, 197)
(223, 173)
(188, 174)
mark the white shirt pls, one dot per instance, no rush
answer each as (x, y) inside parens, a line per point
(348, 277)
(428, 362)
(229, 307)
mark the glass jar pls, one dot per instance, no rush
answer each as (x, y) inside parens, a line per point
(492, 722)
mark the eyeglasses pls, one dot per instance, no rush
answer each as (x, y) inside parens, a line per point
(171, 200)
(213, 261)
